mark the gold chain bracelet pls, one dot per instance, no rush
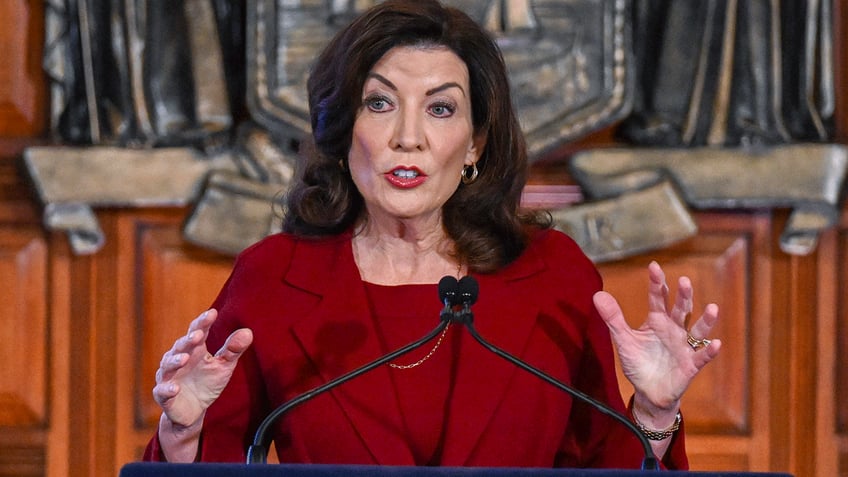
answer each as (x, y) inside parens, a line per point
(659, 435)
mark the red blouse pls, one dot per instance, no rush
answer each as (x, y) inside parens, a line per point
(424, 389)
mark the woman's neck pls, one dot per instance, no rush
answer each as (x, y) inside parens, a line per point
(403, 253)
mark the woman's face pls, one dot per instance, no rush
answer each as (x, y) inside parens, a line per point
(413, 134)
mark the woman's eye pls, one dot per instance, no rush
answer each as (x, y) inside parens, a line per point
(377, 103)
(442, 110)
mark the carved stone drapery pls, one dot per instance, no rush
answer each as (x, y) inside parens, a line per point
(807, 178)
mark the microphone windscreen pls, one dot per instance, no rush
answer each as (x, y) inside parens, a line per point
(468, 290)
(448, 290)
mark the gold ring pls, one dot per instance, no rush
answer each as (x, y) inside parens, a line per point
(695, 343)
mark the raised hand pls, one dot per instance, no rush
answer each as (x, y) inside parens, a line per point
(660, 358)
(188, 381)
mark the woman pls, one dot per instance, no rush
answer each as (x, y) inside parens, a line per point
(417, 172)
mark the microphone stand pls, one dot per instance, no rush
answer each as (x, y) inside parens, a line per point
(453, 294)
(466, 317)
(257, 453)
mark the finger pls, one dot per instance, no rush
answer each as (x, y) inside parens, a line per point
(187, 343)
(203, 321)
(683, 301)
(657, 289)
(704, 326)
(169, 365)
(712, 350)
(198, 329)
(236, 344)
(707, 353)
(163, 392)
(610, 312)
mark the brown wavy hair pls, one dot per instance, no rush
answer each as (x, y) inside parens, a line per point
(483, 218)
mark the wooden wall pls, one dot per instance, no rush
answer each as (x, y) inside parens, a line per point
(82, 335)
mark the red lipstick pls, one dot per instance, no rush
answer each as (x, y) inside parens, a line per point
(405, 177)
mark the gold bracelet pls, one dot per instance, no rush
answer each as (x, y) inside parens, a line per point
(659, 435)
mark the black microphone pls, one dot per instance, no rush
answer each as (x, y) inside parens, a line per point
(467, 292)
(257, 453)
(449, 291)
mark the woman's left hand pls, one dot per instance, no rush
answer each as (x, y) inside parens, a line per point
(660, 358)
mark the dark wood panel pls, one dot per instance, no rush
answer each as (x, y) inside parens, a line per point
(22, 460)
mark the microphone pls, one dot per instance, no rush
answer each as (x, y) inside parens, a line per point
(448, 291)
(257, 453)
(466, 295)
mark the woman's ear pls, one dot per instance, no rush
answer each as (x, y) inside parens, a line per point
(475, 149)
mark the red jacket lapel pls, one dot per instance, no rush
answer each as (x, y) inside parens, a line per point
(343, 316)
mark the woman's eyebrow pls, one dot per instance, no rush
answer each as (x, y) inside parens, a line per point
(445, 86)
(429, 92)
(383, 80)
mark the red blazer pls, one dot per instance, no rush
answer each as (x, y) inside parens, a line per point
(307, 307)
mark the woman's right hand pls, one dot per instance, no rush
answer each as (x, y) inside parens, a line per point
(190, 378)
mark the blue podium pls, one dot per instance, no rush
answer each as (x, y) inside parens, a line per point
(150, 469)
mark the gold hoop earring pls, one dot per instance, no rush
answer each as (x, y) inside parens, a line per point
(469, 177)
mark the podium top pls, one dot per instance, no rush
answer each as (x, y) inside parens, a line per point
(148, 469)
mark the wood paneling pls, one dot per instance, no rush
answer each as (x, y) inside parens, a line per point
(833, 359)
(22, 80)
(24, 375)
(176, 283)
(841, 336)
(721, 402)
(23, 288)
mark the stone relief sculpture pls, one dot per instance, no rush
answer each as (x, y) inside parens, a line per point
(143, 92)
(745, 87)
(730, 72)
(134, 73)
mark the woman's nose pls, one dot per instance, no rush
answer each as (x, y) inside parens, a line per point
(408, 133)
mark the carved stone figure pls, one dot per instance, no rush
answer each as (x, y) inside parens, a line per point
(138, 73)
(730, 72)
